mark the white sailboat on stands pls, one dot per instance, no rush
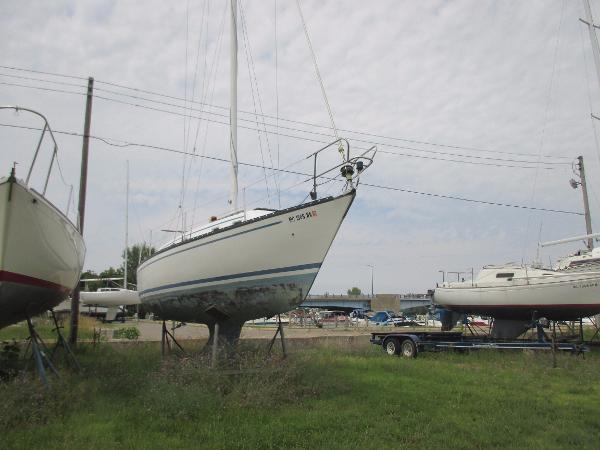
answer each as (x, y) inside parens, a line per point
(248, 264)
(113, 298)
(517, 295)
(588, 259)
(41, 250)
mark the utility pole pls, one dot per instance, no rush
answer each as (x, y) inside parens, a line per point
(586, 205)
(126, 227)
(372, 269)
(82, 192)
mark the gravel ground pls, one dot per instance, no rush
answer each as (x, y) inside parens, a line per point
(151, 331)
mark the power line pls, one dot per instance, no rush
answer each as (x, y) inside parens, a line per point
(39, 88)
(414, 141)
(470, 200)
(43, 73)
(119, 143)
(264, 130)
(470, 162)
(63, 83)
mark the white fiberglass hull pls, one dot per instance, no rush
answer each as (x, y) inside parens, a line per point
(253, 269)
(560, 296)
(41, 253)
(121, 297)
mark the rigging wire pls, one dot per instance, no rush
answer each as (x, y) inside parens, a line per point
(123, 144)
(253, 87)
(277, 100)
(589, 94)
(208, 91)
(314, 59)
(545, 124)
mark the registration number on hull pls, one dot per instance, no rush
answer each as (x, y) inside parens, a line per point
(303, 216)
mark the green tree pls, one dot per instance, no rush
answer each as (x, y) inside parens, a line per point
(136, 254)
(354, 291)
(90, 285)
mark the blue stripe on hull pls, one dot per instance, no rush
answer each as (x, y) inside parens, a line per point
(231, 277)
(238, 301)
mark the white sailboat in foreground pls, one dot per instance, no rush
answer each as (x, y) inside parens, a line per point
(41, 250)
(249, 264)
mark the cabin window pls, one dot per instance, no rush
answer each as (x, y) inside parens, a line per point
(505, 275)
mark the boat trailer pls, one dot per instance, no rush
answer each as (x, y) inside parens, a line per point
(410, 344)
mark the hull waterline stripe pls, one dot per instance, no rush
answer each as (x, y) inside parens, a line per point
(153, 260)
(231, 277)
(12, 277)
(538, 307)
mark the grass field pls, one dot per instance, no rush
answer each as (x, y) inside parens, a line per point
(45, 328)
(326, 396)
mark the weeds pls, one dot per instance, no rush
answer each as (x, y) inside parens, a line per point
(332, 393)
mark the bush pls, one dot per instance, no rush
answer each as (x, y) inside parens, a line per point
(130, 333)
(9, 359)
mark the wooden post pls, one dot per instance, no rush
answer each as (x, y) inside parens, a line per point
(82, 193)
(586, 205)
(281, 336)
(215, 346)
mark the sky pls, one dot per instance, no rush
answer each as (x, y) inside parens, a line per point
(472, 99)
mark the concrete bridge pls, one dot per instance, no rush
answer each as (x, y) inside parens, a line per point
(405, 303)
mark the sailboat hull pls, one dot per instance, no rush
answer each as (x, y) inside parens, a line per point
(41, 253)
(560, 296)
(253, 269)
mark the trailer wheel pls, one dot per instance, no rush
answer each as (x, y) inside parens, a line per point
(409, 349)
(392, 346)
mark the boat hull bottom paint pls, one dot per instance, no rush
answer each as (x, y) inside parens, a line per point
(34, 301)
(529, 312)
(509, 329)
(234, 303)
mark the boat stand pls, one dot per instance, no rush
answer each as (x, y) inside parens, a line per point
(61, 342)
(596, 325)
(280, 332)
(39, 354)
(476, 330)
(168, 338)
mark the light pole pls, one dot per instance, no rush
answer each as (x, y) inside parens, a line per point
(372, 269)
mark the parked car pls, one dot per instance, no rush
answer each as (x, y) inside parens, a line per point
(382, 318)
(331, 318)
(358, 313)
(390, 318)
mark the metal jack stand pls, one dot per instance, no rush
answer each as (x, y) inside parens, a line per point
(61, 342)
(167, 338)
(596, 326)
(280, 332)
(39, 354)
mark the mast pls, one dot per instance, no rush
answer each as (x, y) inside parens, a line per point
(593, 38)
(596, 52)
(233, 106)
(126, 226)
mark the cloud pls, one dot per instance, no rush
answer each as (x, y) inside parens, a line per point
(501, 77)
